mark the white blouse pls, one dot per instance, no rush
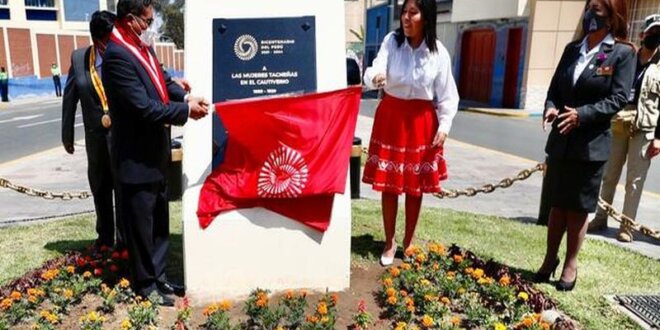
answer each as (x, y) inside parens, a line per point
(417, 74)
(587, 55)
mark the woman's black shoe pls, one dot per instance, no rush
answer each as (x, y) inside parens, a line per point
(545, 277)
(567, 286)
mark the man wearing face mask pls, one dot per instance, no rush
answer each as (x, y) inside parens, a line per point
(84, 84)
(143, 102)
(634, 132)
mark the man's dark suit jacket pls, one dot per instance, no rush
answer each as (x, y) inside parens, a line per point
(597, 97)
(141, 142)
(79, 87)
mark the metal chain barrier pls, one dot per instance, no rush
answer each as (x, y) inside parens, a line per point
(5, 183)
(627, 221)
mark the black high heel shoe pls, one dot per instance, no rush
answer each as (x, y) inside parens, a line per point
(567, 286)
(545, 277)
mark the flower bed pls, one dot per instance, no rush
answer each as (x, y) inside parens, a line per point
(434, 288)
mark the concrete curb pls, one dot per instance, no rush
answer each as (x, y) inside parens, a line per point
(515, 113)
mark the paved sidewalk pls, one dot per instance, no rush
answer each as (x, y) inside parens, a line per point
(469, 166)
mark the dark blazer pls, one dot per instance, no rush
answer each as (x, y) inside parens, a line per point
(79, 88)
(597, 97)
(140, 139)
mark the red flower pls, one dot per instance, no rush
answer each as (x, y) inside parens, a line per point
(81, 262)
(88, 258)
(124, 254)
(93, 263)
(115, 255)
(98, 271)
(104, 248)
(114, 268)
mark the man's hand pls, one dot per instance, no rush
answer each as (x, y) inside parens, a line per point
(549, 117)
(379, 80)
(568, 120)
(654, 149)
(439, 139)
(183, 83)
(69, 148)
(199, 107)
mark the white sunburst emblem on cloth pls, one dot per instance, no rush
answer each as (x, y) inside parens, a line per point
(283, 175)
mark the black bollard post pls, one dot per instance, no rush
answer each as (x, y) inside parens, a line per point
(175, 172)
(544, 205)
(356, 157)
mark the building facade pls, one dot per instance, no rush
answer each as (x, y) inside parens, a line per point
(34, 34)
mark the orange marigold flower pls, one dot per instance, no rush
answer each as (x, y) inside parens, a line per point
(67, 293)
(421, 258)
(32, 292)
(429, 297)
(322, 308)
(436, 248)
(536, 316)
(409, 302)
(262, 302)
(124, 283)
(334, 298)
(411, 251)
(87, 274)
(528, 322)
(478, 273)
(70, 269)
(455, 320)
(33, 299)
(427, 321)
(435, 266)
(394, 271)
(403, 293)
(469, 270)
(225, 305)
(390, 292)
(545, 326)
(15, 295)
(6, 304)
(405, 266)
(289, 294)
(458, 258)
(387, 282)
(505, 280)
(303, 293)
(411, 309)
(445, 300)
(312, 319)
(210, 309)
(391, 300)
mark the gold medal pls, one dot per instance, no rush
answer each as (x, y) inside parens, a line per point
(105, 121)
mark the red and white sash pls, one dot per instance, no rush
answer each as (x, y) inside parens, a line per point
(152, 66)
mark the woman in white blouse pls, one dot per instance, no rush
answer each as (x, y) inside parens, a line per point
(412, 120)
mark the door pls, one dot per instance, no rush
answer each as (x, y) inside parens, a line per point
(477, 58)
(511, 73)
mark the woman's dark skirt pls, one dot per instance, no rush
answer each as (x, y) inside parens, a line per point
(574, 184)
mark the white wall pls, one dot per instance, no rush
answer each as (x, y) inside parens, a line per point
(477, 10)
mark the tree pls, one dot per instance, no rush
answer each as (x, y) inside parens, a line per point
(172, 15)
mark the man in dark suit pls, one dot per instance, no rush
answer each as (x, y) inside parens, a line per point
(143, 101)
(84, 84)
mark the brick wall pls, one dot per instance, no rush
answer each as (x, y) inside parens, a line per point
(83, 41)
(3, 52)
(66, 48)
(21, 52)
(46, 53)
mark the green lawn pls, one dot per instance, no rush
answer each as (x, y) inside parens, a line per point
(604, 269)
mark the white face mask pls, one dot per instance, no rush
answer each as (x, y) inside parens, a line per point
(149, 37)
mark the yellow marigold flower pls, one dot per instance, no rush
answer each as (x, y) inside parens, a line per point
(469, 270)
(400, 326)
(325, 319)
(409, 302)
(6, 304)
(429, 297)
(522, 295)
(436, 248)
(87, 274)
(210, 309)
(482, 281)
(67, 293)
(505, 280)
(445, 300)
(387, 282)
(15, 295)
(427, 321)
(322, 308)
(421, 258)
(455, 320)
(146, 304)
(33, 299)
(478, 273)
(528, 322)
(411, 251)
(124, 283)
(391, 300)
(279, 327)
(126, 324)
(394, 271)
(499, 326)
(70, 269)
(104, 288)
(225, 305)
(536, 316)
(458, 258)
(32, 292)
(92, 316)
(461, 290)
(406, 266)
(390, 292)
(425, 282)
(414, 327)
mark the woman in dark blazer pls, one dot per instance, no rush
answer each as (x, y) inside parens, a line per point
(590, 85)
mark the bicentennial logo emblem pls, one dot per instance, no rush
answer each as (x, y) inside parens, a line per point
(246, 47)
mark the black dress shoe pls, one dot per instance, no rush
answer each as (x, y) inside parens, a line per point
(566, 286)
(545, 277)
(156, 296)
(167, 287)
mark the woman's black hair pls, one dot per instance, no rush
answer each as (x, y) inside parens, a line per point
(429, 12)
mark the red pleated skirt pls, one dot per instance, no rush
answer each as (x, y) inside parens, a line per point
(401, 159)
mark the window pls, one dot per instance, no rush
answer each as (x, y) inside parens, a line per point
(639, 9)
(111, 5)
(40, 3)
(3, 2)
